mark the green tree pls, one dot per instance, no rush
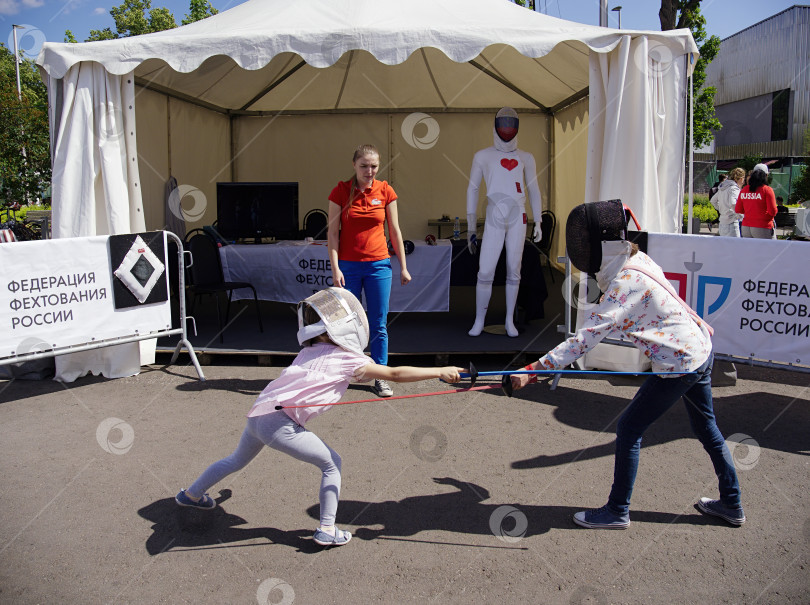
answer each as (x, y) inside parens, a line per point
(137, 17)
(800, 188)
(161, 19)
(748, 162)
(132, 18)
(199, 10)
(25, 160)
(677, 14)
(100, 34)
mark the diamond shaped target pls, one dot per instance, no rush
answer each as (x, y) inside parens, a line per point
(138, 262)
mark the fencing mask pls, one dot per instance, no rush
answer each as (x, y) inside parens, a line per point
(588, 226)
(506, 124)
(341, 316)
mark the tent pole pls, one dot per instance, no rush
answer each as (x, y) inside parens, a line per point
(552, 168)
(231, 167)
(691, 144)
(169, 133)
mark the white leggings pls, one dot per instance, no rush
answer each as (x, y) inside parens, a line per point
(505, 226)
(280, 432)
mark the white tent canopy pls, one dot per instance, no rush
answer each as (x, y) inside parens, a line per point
(440, 44)
(279, 90)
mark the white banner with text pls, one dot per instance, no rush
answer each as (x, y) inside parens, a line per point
(291, 271)
(755, 293)
(75, 291)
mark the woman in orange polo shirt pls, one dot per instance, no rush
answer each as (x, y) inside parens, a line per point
(358, 251)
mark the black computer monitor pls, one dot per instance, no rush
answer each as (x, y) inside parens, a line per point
(256, 211)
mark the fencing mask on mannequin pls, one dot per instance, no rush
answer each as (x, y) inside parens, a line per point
(588, 226)
(341, 317)
(506, 124)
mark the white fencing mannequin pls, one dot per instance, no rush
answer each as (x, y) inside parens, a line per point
(508, 173)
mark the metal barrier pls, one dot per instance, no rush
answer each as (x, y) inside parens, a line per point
(89, 346)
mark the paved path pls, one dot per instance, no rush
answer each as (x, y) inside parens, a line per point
(452, 499)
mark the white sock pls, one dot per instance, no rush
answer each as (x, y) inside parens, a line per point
(511, 302)
(483, 292)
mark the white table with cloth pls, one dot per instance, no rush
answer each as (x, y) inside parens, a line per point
(289, 271)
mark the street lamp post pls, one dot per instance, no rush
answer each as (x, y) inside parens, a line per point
(618, 9)
(14, 29)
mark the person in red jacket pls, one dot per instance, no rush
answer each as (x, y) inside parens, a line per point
(758, 203)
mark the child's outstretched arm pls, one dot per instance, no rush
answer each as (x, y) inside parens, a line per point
(521, 380)
(407, 373)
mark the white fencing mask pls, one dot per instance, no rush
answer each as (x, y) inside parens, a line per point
(342, 318)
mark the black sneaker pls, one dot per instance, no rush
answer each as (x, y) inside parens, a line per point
(382, 389)
(601, 518)
(204, 503)
(735, 516)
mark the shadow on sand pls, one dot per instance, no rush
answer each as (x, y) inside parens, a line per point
(177, 528)
(774, 421)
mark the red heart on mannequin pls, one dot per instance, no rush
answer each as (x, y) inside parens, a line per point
(509, 164)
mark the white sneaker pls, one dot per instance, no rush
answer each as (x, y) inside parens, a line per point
(382, 389)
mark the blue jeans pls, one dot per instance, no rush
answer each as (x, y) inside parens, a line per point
(375, 278)
(655, 397)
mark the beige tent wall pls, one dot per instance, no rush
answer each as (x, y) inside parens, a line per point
(151, 111)
(200, 155)
(570, 151)
(430, 176)
(316, 151)
(192, 144)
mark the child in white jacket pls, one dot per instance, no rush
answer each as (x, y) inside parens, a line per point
(724, 201)
(639, 302)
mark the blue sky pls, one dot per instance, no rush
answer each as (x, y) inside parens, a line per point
(47, 20)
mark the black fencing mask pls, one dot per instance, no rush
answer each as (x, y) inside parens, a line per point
(587, 227)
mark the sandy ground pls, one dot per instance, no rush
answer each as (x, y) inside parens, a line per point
(452, 499)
